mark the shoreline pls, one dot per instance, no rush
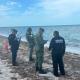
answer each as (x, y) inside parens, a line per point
(71, 50)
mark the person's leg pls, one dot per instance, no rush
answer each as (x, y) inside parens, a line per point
(55, 66)
(61, 66)
(40, 63)
(13, 60)
(55, 69)
(41, 70)
(30, 54)
(36, 64)
(37, 68)
(37, 61)
(14, 55)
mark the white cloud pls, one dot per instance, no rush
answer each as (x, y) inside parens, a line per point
(2, 7)
(44, 12)
(13, 4)
(61, 7)
(9, 8)
(48, 11)
(4, 10)
(51, 9)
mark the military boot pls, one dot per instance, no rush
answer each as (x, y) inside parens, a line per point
(41, 71)
(37, 69)
(31, 59)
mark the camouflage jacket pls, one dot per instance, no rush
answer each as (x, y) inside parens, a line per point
(30, 39)
(39, 43)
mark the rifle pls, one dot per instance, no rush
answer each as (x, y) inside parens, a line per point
(19, 40)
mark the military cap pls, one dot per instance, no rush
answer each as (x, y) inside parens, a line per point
(41, 29)
(29, 29)
(14, 30)
(56, 32)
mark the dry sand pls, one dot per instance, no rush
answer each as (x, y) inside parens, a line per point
(26, 70)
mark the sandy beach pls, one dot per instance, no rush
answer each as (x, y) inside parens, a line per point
(26, 69)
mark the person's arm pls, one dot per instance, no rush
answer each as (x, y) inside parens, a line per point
(18, 42)
(11, 40)
(64, 46)
(45, 41)
(27, 37)
(34, 39)
(51, 45)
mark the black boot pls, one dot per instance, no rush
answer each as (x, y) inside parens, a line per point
(41, 71)
(31, 59)
(15, 64)
(37, 69)
(56, 74)
(63, 74)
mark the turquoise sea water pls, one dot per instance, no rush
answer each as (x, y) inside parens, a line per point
(70, 33)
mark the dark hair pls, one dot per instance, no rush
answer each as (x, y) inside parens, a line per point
(42, 29)
(14, 30)
(29, 29)
(56, 32)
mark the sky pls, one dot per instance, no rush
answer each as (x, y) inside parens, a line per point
(39, 12)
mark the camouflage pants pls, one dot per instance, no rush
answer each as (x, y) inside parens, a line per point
(30, 53)
(39, 59)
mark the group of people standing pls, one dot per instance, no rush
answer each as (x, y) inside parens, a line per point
(57, 48)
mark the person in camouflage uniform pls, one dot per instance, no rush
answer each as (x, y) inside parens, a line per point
(39, 47)
(30, 39)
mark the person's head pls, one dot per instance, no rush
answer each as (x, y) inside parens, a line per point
(14, 31)
(29, 30)
(41, 31)
(56, 34)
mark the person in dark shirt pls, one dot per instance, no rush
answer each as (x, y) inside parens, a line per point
(14, 44)
(57, 46)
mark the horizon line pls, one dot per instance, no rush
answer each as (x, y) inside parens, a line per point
(43, 25)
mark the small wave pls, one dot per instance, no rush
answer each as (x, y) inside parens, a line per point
(69, 48)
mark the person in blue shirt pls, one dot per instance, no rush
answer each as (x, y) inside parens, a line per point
(14, 44)
(57, 48)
